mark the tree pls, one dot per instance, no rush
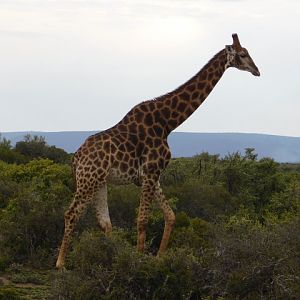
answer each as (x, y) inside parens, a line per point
(249, 154)
(32, 147)
(36, 147)
(5, 143)
(8, 154)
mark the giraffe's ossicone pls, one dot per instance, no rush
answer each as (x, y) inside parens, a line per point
(136, 149)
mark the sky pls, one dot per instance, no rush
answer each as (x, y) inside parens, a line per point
(82, 65)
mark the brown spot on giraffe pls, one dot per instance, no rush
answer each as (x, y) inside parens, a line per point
(210, 76)
(184, 96)
(201, 85)
(166, 112)
(148, 119)
(191, 88)
(181, 106)
(136, 150)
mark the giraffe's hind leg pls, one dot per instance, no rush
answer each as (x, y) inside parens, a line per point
(72, 215)
(169, 217)
(102, 209)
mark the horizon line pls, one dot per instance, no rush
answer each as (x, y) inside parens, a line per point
(192, 132)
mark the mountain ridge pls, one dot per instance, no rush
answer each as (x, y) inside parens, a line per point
(187, 144)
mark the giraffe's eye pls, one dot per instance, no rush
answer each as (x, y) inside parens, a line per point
(243, 55)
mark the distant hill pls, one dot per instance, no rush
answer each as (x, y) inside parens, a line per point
(186, 144)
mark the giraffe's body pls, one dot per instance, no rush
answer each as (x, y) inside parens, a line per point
(136, 150)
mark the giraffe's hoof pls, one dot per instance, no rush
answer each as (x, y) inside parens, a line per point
(61, 269)
(59, 265)
(160, 253)
(106, 226)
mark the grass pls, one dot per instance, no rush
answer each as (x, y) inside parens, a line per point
(19, 282)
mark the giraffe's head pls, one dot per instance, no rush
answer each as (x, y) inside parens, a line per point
(238, 57)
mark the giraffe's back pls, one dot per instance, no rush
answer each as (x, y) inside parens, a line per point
(120, 157)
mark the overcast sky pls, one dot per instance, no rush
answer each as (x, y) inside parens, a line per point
(81, 65)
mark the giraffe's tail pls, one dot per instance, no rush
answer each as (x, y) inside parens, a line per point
(73, 168)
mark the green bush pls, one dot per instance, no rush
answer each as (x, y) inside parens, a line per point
(252, 262)
(236, 234)
(123, 202)
(32, 221)
(203, 201)
(35, 147)
(7, 293)
(192, 234)
(110, 268)
(242, 261)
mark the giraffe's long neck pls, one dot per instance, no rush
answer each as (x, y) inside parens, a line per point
(182, 102)
(160, 116)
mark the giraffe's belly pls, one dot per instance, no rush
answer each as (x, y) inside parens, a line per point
(115, 176)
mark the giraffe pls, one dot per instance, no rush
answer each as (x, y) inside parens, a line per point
(136, 150)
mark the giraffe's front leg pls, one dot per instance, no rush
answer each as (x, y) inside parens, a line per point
(147, 195)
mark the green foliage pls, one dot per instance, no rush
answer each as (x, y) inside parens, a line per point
(236, 234)
(178, 170)
(8, 154)
(26, 283)
(201, 200)
(32, 147)
(123, 203)
(114, 270)
(28, 277)
(8, 188)
(254, 262)
(7, 293)
(245, 262)
(206, 168)
(33, 217)
(191, 233)
(284, 204)
(36, 147)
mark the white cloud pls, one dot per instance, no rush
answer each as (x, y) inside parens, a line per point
(59, 58)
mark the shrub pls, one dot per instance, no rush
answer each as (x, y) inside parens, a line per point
(37, 205)
(203, 201)
(110, 268)
(7, 293)
(252, 262)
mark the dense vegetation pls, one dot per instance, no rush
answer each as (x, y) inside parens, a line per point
(237, 233)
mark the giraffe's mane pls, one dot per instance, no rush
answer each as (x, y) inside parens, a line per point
(176, 90)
